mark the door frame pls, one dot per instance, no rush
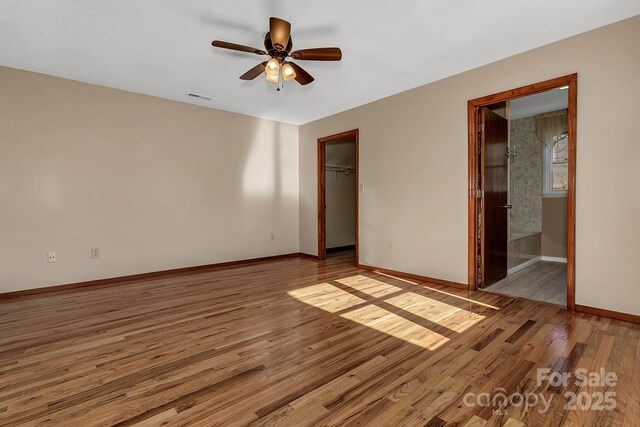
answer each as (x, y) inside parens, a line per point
(472, 109)
(322, 217)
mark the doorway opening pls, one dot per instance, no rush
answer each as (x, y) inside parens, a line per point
(522, 160)
(338, 195)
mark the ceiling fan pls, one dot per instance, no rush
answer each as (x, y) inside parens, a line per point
(278, 45)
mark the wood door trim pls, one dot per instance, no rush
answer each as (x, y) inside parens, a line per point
(322, 231)
(472, 107)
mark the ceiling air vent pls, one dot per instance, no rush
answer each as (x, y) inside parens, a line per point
(203, 97)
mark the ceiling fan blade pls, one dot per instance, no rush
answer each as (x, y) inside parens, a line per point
(302, 76)
(280, 30)
(318, 54)
(239, 47)
(254, 72)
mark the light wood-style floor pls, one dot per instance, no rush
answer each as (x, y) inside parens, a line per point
(542, 281)
(298, 342)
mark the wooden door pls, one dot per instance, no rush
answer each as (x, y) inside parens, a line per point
(493, 248)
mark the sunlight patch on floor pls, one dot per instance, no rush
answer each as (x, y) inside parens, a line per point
(390, 309)
(369, 286)
(327, 297)
(435, 311)
(469, 300)
(438, 290)
(397, 326)
(402, 279)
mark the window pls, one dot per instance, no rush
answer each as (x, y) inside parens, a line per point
(556, 164)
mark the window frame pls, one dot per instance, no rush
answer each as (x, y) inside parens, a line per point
(547, 161)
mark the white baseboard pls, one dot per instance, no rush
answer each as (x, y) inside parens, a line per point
(523, 265)
(554, 259)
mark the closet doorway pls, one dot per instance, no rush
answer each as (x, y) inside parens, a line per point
(338, 194)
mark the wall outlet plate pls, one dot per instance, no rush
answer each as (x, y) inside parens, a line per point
(95, 253)
(51, 256)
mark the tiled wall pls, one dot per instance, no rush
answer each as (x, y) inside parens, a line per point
(525, 173)
(525, 193)
(524, 249)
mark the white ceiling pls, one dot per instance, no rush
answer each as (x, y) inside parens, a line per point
(527, 106)
(162, 47)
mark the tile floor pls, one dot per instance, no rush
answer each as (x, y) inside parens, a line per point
(542, 281)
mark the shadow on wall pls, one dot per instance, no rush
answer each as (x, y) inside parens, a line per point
(270, 183)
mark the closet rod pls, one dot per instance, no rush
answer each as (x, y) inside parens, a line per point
(342, 169)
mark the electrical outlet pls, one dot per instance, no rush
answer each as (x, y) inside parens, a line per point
(389, 245)
(361, 188)
(95, 253)
(51, 256)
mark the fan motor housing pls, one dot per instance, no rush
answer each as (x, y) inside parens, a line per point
(274, 52)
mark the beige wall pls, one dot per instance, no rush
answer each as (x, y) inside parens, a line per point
(413, 164)
(554, 227)
(155, 184)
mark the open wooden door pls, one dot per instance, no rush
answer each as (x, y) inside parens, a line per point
(494, 167)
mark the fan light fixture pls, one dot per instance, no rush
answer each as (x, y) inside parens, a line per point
(288, 73)
(271, 79)
(278, 44)
(272, 70)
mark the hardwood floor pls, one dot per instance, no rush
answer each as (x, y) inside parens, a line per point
(300, 342)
